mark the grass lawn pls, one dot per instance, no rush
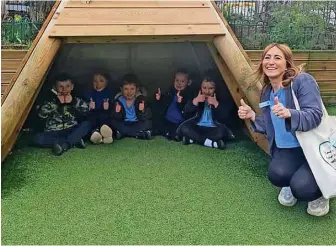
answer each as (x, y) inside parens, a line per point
(331, 109)
(151, 192)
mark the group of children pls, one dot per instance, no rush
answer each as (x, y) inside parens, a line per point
(178, 114)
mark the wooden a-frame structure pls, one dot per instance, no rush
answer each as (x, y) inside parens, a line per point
(126, 22)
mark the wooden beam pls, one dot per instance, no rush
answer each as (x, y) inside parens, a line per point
(136, 16)
(21, 97)
(134, 30)
(236, 94)
(138, 4)
(139, 39)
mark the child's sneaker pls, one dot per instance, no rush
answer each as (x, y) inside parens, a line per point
(96, 138)
(148, 134)
(118, 135)
(80, 144)
(220, 144)
(59, 149)
(318, 207)
(106, 133)
(286, 197)
(186, 140)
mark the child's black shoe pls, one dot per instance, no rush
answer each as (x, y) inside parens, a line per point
(148, 134)
(186, 140)
(80, 144)
(118, 135)
(221, 144)
(59, 149)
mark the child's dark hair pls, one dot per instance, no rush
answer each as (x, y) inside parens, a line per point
(209, 78)
(63, 77)
(182, 71)
(130, 78)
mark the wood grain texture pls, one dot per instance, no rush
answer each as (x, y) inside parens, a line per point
(13, 54)
(138, 4)
(236, 94)
(139, 39)
(134, 30)
(20, 98)
(136, 16)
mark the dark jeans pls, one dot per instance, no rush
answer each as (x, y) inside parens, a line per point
(289, 167)
(71, 135)
(131, 129)
(200, 133)
(98, 118)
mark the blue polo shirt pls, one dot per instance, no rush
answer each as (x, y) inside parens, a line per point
(283, 139)
(173, 112)
(206, 119)
(130, 111)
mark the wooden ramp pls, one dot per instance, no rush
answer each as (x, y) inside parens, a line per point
(125, 22)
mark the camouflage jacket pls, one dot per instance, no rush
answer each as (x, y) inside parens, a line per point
(62, 116)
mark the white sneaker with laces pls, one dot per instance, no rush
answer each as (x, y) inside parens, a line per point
(318, 207)
(286, 197)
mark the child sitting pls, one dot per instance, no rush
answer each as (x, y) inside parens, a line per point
(62, 130)
(169, 107)
(205, 128)
(99, 99)
(130, 113)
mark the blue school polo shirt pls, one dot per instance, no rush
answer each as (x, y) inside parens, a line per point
(130, 111)
(173, 112)
(206, 119)
(283, 139)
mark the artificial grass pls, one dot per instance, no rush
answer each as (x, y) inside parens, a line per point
(331, 109)
(151, 192)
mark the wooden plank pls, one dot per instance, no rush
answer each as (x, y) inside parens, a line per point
(327, 85)
(138, 4)
(329, 99)
(20, 98)
(3, 88)
(134, 30)
(10, 65)
(13, 54)
(6, 77)
(323, 65)
(236, 94)
(139, 39)
(135, 16)
(32, 47)
(323, 74)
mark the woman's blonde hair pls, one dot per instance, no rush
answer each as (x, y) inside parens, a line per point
(291, 69)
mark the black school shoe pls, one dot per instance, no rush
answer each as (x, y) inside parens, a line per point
(80, 144)
(147, 135)
(220, 144)
(118, 135)
(59, 149)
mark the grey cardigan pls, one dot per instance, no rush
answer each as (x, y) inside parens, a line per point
(308, 117)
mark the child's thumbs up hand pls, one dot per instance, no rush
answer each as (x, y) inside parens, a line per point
(279, 110)
(106, 104)
(200, 98)
(142, 106)
(92, 104)
(158, 94)
(245, 112)
(118, 108)
(213, 101)
(179, 97)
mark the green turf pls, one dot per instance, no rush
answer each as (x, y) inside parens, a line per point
(151, 192)
(331, 109)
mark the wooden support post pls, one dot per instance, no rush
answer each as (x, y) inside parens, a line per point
(21, 96)
(236, 94)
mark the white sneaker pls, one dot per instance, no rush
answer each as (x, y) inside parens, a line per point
(106, 133)
(96, 138)
(318, 207)
(286, 197)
